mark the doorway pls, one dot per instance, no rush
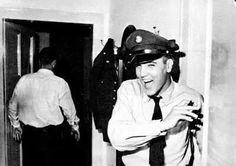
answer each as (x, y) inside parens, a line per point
(73, 42)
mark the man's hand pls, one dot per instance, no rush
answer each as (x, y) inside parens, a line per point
(75, 133)
(181, 110)
(17, 133)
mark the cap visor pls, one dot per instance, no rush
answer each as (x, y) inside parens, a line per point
(145, 58)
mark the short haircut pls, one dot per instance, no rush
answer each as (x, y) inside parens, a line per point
(175, 72)
(47, 55)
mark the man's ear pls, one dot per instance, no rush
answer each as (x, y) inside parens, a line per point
(169, 65)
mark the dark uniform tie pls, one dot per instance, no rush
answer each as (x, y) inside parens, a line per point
(156, 157)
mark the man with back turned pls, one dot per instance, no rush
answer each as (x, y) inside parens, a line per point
(39, 103)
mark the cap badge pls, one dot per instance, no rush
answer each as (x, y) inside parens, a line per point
(138, 39)
(147, 51)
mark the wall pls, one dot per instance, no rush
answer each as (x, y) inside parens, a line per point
(78, 7)
(222, 115)
(94, 6)
(164, 14)
(194, 42)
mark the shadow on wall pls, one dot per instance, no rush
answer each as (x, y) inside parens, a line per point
(220, 57)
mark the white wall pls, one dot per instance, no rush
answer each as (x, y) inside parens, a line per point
(78, 7)
(222, 116)
(145, 14)
(94, 6)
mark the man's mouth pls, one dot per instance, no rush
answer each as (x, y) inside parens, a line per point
(147, 82)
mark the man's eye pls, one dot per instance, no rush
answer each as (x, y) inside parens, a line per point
(151, 65)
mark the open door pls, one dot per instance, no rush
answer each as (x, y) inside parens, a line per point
(20, 46)
(23, 40)
(74, 48)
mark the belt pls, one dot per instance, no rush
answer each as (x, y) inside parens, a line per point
(49, 128)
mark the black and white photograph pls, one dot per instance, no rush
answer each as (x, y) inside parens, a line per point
(117, 83)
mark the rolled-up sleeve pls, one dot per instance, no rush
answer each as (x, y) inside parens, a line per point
(124, 131)
(12, 109)
(68, 107)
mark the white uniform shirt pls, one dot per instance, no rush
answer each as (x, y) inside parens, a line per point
(131, 127)
(36, 100)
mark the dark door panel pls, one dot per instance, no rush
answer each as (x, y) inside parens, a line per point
(16, 63)
(74, 64)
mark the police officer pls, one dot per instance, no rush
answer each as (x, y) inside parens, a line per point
(151, 119)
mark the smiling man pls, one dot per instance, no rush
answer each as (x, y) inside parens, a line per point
(154, 121)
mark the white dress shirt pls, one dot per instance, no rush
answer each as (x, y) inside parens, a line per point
(36, 100)
(131, 127)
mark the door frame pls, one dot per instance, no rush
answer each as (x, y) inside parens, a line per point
(96, 19)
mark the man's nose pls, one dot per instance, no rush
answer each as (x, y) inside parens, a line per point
(143, 70)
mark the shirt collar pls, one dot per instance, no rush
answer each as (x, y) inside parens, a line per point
(166, 95)
(45, 71)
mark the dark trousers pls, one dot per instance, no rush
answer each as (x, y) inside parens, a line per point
(42, 146)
